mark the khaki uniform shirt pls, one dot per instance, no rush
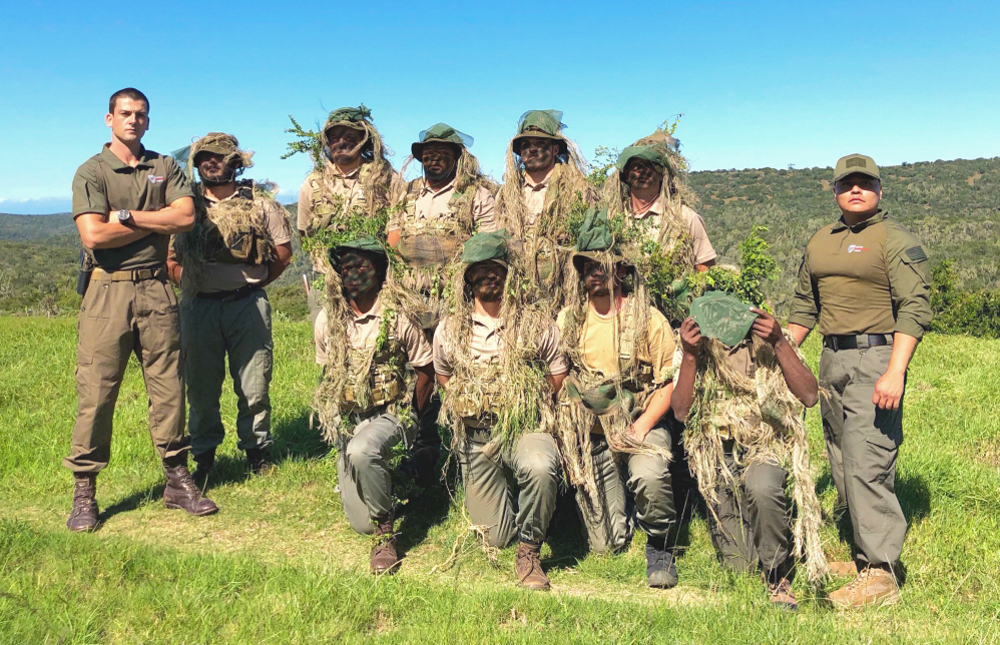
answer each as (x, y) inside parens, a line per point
(485, 346)
(600, 337)
(105, 184)
(362, 332)
(534, 195)
(221, 276)
(432, 206)
(868, 279)
(703, 250)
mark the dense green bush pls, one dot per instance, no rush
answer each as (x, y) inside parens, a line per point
(960, 311)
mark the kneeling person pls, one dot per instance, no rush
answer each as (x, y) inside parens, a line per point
(496, 357)
(363, 400)
(613, 403)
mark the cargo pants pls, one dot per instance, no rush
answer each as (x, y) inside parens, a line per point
(535, 465)
(120, 317)
(646, 478)
(862, 443)
(750, 525)
(241, 329)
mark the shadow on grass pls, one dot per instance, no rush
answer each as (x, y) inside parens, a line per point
(132, 502)
(428, 506)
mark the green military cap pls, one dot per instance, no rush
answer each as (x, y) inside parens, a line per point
(544, 124)
(483, 247)
(352, 117)
(595, 240)
(653, 153)
(367, 244)
(855, 164)
(441, 133)
(224, 144)
(722, 316)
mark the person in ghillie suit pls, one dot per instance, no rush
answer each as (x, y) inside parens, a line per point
(351, 177)
(496, 358)
(741, 386)
(240, 243)
(611, 405)
(648, 186)
(364, 403)
(544, 188)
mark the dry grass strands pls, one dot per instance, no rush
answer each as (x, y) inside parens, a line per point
(762, 417)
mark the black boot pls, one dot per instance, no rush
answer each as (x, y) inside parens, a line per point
(204, 461)
(83, 517)
(661, 572)
(259, 460)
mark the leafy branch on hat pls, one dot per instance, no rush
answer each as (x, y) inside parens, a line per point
(308, 142)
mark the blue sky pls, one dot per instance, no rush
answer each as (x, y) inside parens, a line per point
(759, 84)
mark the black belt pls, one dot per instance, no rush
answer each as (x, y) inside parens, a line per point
(863, 341)
(234, 294)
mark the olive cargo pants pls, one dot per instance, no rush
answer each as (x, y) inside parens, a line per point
(752, 526)
(364, 474)
(645, 477)
(118, 318)
(862, 443)
(534, 461)
(241, 328)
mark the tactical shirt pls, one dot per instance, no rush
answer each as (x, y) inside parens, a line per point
(106, 184)
(871, 278)
(363, 331)
(704, 252)
(534, 195)
(218, 276)
(430, 206)
(485, 345)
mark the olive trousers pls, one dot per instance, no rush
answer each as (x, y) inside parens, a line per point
(364, 473)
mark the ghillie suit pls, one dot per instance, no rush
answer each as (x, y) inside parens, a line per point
(355, 382)
(546, 235)
(666, 239)
(508, 395)
(764, 422)
(230, 231)
(428, 246)
(590, 399)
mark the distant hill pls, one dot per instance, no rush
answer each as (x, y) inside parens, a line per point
(952, 206)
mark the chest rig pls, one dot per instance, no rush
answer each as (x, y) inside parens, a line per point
(376, 374)
(249, 244)
(427, 245)
(328, 205)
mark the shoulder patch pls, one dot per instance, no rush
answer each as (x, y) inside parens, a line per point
(916, 254)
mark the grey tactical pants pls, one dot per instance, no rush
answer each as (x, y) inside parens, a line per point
(646, 478)
(862, 443)
(241, 329)
(753, 525)
(364, 473)
(534, 462)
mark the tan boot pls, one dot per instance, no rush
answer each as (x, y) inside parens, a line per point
(873, 586)
(528, 567)
(383, 556)
(843, 569)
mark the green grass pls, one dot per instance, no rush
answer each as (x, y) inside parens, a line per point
(280, 564)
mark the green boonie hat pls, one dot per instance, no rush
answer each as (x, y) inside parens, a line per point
(656, 154)
(352, 117)
(367, 243)
(490, 245)
(441, 133)
(855, 164)
(722, 316)
(544, 124)
(221, 143)
(594, 240)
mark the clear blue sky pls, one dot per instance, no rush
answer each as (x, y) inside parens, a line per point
(759, 84)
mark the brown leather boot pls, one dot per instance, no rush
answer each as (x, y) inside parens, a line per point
(873, 586)
(182, 492)
(781, 594)
(383, 555)
(83, 517)
(843, 569)
(528, 567)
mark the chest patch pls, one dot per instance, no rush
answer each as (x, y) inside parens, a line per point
(156, 179)
(857, 248)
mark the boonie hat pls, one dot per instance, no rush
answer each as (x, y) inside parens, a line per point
(440, 133)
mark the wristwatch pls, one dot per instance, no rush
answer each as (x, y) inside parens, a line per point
(124, 217)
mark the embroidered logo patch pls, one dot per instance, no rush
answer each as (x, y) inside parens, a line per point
(154, 179)
(857, 248)
(916, 254)
(856, 162)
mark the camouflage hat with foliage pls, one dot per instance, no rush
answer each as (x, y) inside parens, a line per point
(594, 240)
(542, 124)
(224, 144)
(352, 117)
(440, 133)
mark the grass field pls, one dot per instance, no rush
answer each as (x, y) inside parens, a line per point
(279, 563)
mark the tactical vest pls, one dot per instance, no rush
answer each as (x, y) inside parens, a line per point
(385, 380)
(429, 245)
(479, 409)
(327, 206)
(248, 246)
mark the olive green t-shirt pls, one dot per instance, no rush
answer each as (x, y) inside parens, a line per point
(105, 184)
(871, 278)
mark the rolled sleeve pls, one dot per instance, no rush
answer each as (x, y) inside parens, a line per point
(910, 285)
(88, 194)
(276, 221)
(805, 310)
(548, 351)
(178, 185)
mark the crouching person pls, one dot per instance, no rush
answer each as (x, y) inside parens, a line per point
(496, 357)
(614, 443)
(364, 403)
(741, 393)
